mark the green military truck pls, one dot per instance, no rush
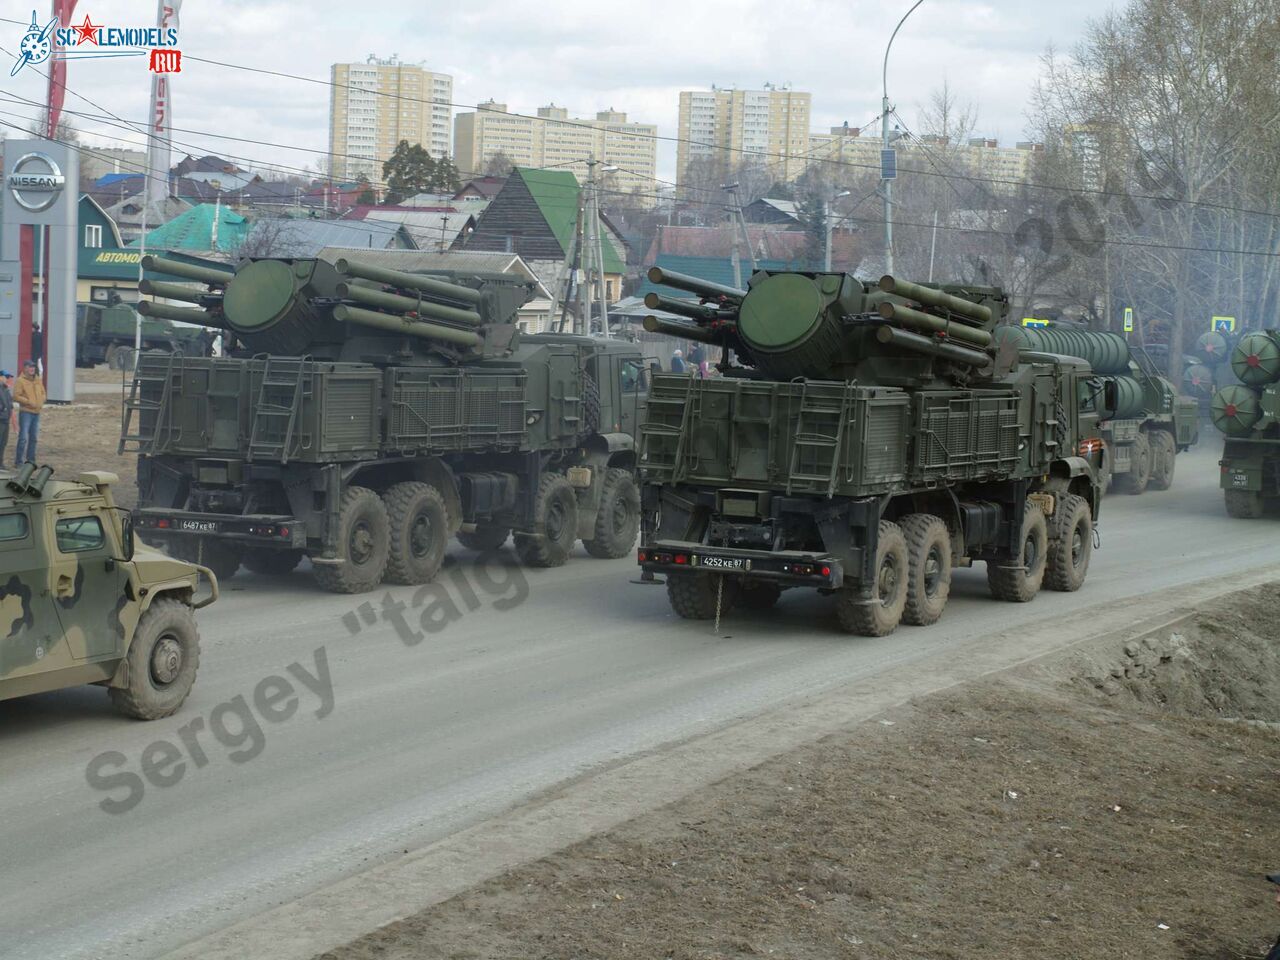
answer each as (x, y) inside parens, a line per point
(867, 440)
(1151, 424)
(1248, 414)
(79, 605)
(102, 332)
(377, 414)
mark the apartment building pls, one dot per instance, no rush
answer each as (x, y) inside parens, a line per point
(728, 126)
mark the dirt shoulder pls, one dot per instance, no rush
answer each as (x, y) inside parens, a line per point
(1106, 803)
(84, 436)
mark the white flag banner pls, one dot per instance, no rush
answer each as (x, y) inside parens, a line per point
(158, 149)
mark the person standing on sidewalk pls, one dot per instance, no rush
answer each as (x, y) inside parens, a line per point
(7, 414)
(37, 346)
(29, 395)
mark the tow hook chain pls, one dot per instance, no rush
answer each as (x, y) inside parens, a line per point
(719, 594)
(1097, 538)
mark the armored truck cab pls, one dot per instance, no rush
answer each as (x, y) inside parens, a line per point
(381, 434)
(876, 438)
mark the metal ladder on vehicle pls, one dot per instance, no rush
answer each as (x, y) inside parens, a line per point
(137, 402)
(681, 433)
(279, 396)
(808, 437)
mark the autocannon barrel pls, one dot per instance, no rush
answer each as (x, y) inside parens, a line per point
(934, 348)
(406, 326)
(374, 297)
(703, 288)
(698, 311)
(191, 271)
(674, 329)
(920, 321)
(171, 291)
(407, 281)
(163, 311)
(936, 298)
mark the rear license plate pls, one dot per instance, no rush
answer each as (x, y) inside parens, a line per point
(723, 563)
(1240, 480)
(200, 526)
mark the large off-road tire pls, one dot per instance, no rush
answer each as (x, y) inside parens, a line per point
(364, 542)
(756, 595)
(1139, 475)
(161, 663)
(1244, 504)
(1164, 454)
(272, 563)
(220, 557)
(875, 609)
(693, 595)
(1018, 579)
(618, 519)
(484, 539)
(928, 567)
(419, 523)
(1071, 544)
(555, 524)
(590, 405)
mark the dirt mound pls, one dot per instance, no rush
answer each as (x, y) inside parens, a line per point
(1223, 661)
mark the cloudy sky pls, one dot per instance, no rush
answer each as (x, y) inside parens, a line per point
(584, 56)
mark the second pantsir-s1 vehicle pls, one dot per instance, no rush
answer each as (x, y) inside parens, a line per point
(373, 414)
(873, 438)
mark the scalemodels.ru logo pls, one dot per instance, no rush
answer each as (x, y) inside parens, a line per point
(89, 39)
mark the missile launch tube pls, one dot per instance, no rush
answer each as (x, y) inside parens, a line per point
(703, 288)
(163, 311)
(190, 271)
(947, 351)
(936, 298)
(698, 311)
(171, 291)
(673, 329)
(411, 328)
(926, 322)
(393, 301)
(407, 281)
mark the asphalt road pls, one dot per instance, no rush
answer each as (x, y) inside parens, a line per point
(394, 744)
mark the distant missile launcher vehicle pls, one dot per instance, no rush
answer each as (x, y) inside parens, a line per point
(1248, 415)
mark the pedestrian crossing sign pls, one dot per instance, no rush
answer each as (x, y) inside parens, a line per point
(1128, 319)
(1224, 325)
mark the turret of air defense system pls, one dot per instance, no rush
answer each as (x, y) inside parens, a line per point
(367, 414)
(863, 439)
(1248, 414)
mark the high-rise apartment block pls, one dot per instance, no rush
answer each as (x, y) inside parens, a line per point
(553, 139)
(376, 104)
(722, 128)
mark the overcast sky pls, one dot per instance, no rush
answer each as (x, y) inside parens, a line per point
(584, 56)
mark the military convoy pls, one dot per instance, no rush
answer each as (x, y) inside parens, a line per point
(864, 440)
(1248, 414)
(80, 606)
(369, 415)
(1151, 424)
(103, 332)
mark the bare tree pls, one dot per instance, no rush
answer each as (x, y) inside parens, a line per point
(498, 165)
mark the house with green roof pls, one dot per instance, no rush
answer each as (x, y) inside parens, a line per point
(194, 231)
(535, 216)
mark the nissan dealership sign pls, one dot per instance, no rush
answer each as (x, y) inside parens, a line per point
(35, 181)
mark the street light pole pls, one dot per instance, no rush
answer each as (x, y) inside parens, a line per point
(884, 144)
(826, 217)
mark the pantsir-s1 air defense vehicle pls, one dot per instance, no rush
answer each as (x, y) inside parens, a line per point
(1248, 414)
(372, 414)
(874, 438)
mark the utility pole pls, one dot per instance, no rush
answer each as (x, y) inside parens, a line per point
(595, 247)
(884, 146)
(741, 238)
(829, 224)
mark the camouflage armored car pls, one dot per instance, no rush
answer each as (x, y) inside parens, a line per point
(864, 440)
(79, 605)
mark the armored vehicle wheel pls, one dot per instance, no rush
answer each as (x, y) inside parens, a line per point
(419, 532)
(590, 405)
(1018, 579)
(555, 522)
(484, 539)
(618, 519)
(364, 541)
(1164, 453)
(875, 609)
(928, 567)
(222, 558)
(1071, 546)
(756, 595)
(1243, 504)
(161, 663)
(1135, 481)
(272, 563)
(693, 595)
